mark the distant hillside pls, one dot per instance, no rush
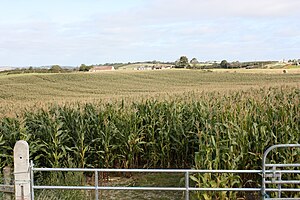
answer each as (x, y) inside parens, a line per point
(6, 68)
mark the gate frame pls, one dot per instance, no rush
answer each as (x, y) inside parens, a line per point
(26, 182)
(186, 189)
(277, 174)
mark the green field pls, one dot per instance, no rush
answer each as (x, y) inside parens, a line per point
(153, 119)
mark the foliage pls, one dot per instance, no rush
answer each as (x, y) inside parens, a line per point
(65, 179)
(40, 70)
(32, 91)
(55, 69)
(224, 64)
(136, 180)
(159, 133)
(194, 61)
(226, 128)
(182, 63)
(208, 131)
(84, 67)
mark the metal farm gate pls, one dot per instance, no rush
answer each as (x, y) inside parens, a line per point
(275, 179)
(272, 174)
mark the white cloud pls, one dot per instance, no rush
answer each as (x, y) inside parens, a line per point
(157, 29)
(224, 8)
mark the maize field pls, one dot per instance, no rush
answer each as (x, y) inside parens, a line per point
(208, 131)
(174, 119)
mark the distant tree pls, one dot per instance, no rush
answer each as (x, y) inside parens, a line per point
(183, 62)
(88, 67)
(56, 68)
(194, 61)
(236, 64)
(82, 67)
(224, 64)
(85, 68)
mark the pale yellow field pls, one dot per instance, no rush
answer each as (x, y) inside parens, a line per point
(29, 91)
(260, 71)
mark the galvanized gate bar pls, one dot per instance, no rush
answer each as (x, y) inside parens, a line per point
(274, 173)
(283, 171)
(147, 188)
(187, 185)
(283, 165)
(283, 182)
(283, 190)
(187, 172)
(31, 180)
(281, 199)
(162, 170)
(277, 174)
(150, 170)
(96, 185)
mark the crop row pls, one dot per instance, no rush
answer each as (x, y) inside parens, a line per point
(226, 131)
(213, 131)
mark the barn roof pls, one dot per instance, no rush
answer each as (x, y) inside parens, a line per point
(98, 68)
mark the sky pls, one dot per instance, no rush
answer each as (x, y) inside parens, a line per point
(74, 32)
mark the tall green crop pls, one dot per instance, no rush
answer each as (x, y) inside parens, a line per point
(202, 130)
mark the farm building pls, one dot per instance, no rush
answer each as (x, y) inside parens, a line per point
(101, 68)
(154, 67)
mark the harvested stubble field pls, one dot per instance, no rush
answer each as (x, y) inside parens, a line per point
(152, 119)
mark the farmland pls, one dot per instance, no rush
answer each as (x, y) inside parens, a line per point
(153, 119)
(25, 90)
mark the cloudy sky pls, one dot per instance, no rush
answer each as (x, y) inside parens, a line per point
(71, 32)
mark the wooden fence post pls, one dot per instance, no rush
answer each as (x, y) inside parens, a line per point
(7, 181)
(22, 171)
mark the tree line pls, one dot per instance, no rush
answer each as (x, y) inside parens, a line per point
(45, 69)
(184, 62)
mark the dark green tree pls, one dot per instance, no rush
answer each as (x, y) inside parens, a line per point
(224, 64)
(194, 63)
(183, 62)
(85, 68)
(56, 69)
(82, 67)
